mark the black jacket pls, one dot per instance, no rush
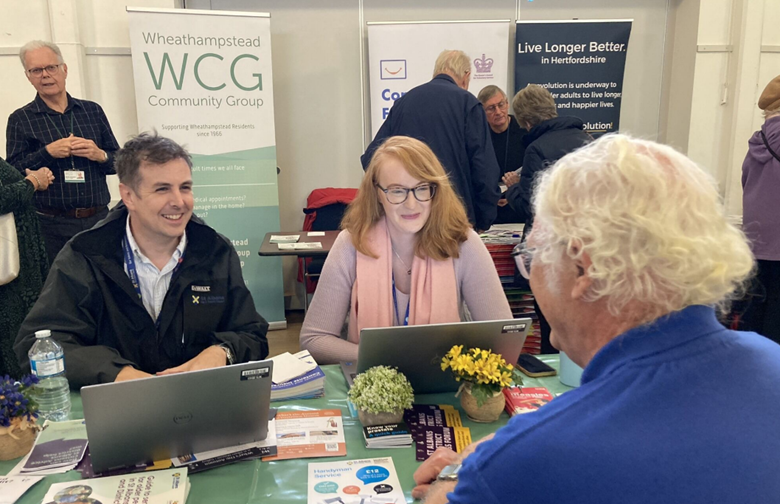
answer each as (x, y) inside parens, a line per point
(546, 143)
(452, 122)
(93, 311)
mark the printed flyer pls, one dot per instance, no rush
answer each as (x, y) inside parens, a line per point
(365, 481)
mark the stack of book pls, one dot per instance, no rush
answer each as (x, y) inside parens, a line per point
(308, 385)
(434, 426)
(500, 241)
(395, 435)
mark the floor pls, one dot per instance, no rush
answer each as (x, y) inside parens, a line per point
(286, 340)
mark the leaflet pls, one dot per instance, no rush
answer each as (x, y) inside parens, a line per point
(306, 434)
(365, 481)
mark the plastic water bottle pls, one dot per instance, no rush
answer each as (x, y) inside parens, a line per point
(52, 392)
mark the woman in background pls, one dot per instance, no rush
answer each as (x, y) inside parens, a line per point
(760, 221)
(407, 255)
(19, 295)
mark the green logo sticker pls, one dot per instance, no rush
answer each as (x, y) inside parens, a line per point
(326, 487)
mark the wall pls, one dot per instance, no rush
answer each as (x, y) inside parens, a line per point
(693, 75)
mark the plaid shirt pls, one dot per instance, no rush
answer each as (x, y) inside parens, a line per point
(35, 125)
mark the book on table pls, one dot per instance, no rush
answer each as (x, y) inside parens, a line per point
(395, 435)
(308, 385)
(520, 400)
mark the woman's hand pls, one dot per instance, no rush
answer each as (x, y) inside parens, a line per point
(40, 178)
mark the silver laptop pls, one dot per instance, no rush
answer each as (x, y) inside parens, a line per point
(417, 350)
(140, 421)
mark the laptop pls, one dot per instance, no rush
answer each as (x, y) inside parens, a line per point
(417, 350)
(141, 421)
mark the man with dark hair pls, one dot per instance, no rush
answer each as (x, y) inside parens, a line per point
(450, 120)
(70, 136)
(150, 289)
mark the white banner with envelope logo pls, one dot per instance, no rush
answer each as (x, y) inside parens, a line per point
(402, 55)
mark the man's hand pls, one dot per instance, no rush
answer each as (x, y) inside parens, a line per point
(84, 147)
(213, 356)
(426, 474)
(510, 178)
(61, 148)
(130, 373)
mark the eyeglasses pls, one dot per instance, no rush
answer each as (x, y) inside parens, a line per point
(397, 195)
(50, 69)
(523, 256)
(500, 105)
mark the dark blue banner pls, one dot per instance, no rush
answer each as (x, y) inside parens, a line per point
(580, 62)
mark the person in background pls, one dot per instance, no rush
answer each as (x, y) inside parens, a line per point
(451, 121)
(70, 136)
(19, 295)
(406, 256)
(151, 289)
(630, 257)
(760, 189)
(508, 145)
(549, 138)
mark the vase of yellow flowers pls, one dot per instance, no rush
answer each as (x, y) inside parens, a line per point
(484, 375)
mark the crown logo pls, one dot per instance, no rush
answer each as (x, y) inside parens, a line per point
(483, 65)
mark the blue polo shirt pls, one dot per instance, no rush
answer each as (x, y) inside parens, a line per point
(679, 411)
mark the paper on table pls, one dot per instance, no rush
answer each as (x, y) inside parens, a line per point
(13, 487)
(299, 246)
(316, 233)
(288, 366)
(284, 238)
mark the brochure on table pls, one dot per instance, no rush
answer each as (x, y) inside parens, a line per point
(159, 487)
(13, 487)
(365, 481)
(305, 434)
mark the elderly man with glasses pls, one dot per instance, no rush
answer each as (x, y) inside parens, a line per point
(70, 136)
(631, 258)
(507, 137)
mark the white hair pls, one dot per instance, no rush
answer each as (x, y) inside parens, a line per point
(39, 44)
(454, 63)
(650, 220)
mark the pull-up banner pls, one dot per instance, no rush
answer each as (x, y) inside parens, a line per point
(580, 62)
(203, 78)
(402, 56)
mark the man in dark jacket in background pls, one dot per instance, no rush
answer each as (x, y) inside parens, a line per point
(549, 138)
(151, 289)
(451, 121)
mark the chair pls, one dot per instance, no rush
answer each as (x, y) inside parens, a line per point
(324, 211)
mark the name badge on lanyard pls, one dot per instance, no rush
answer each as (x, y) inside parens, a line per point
(74, 176)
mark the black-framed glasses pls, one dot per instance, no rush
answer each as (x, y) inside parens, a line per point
(500, 105)
(50, 69)
(397, 195)
(523, 255)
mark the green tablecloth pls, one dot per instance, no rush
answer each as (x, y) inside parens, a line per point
(285, 481)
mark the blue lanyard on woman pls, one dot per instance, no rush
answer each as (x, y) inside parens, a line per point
(133, 274)
(395, 304)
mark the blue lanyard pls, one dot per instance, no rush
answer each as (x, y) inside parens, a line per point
(133, 273)
(395, 304)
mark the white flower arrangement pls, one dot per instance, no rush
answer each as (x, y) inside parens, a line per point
(381, 389)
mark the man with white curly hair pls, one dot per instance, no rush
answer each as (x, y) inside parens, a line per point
(630, 257)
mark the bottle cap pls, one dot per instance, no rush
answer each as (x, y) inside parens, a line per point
(42, 334)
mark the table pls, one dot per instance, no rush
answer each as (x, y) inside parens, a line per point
(271, 249)
(257, 482)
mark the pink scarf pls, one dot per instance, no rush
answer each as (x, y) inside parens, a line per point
(433, 298)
